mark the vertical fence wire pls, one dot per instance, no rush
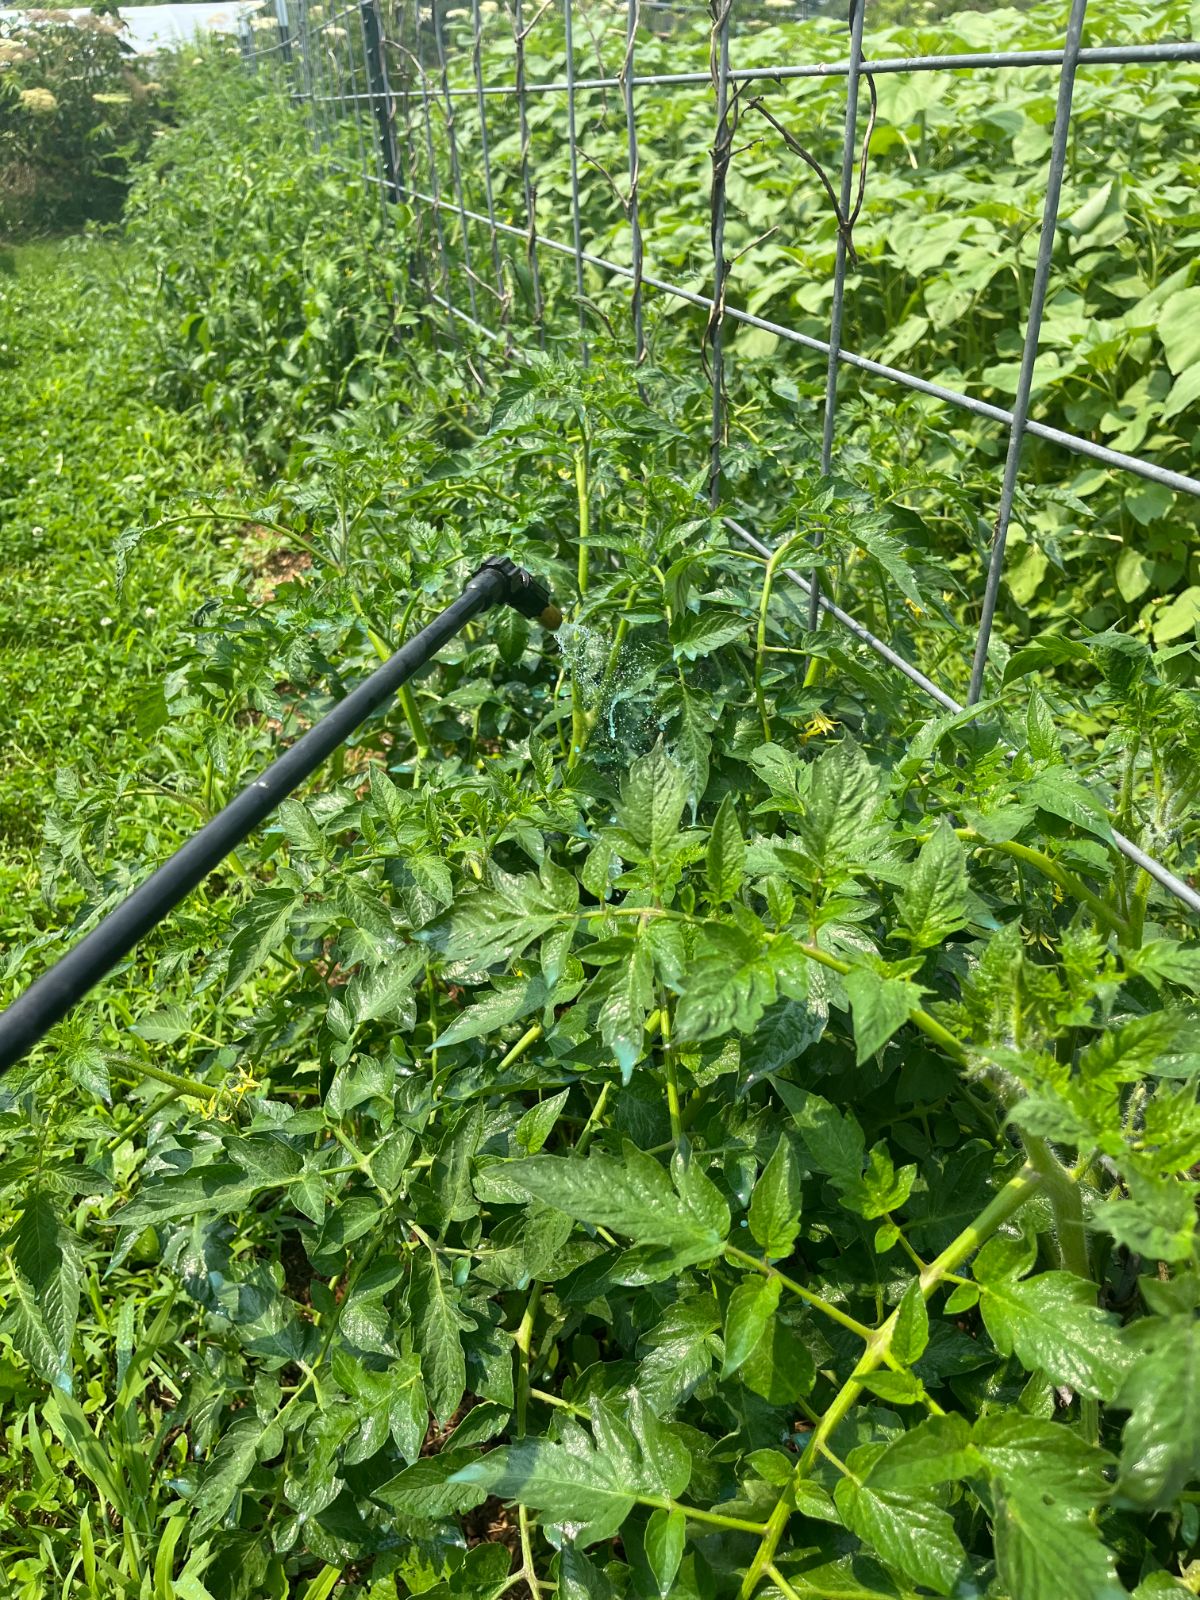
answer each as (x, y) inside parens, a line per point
(573, 151)
(519, 35)
(323, 86)
(489, 192)
(722, 156)
(837, 308)
(1033, 329)
(305, 34)
(354, 46)
(435, 187)
(455, 166)
(285, 32)
(633, 206)
(387, 163)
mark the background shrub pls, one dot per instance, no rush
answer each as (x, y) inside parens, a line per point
(74, 112)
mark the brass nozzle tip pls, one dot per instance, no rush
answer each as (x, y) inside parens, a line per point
(551, 619)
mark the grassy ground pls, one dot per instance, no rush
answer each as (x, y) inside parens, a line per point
(85, 454)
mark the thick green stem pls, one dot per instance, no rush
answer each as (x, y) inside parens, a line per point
(672, 1072)
(582, 496)
(192, 1087)
(579, 728)
(1066, 1204)
(518, 1050)
(713, 1518)
(834, 1313)
(593, 1121)
(760, 654)
(1004, 1205)
(1066, 880)
(524, 1343)
(404, 695)
(416, 723)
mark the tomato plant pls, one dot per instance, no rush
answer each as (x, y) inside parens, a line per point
(661, 1118)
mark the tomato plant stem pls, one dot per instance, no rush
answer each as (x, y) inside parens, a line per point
(860, 1329)
(1003, 1205)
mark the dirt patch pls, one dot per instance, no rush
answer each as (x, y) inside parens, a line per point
(272, 563)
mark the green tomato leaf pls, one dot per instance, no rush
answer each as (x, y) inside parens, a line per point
(429, 1491)
(933, 901)
(1051, 1322)
(907, 1528)
(911, 1333)
(652, 800)
(663, 1545)
(632, 1196)
(881, 1006)
(438, 1324)
(774, 1214)
(1161, 1446)
(752, 1305)
(726, 860)
(536, 1126)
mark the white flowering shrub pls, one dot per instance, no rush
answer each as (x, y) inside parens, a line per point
(74, 111)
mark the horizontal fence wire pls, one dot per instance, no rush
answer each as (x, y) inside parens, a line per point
(1130, 55)
(433, 64)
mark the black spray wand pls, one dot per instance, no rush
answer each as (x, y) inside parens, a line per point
(498, 582)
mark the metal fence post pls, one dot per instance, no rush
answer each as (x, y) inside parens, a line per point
(285, 32)
(381, 97)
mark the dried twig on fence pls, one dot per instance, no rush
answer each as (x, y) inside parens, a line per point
(520, 34)
(846, 221)
(722, 156)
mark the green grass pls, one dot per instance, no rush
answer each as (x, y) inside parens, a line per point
(84, 456)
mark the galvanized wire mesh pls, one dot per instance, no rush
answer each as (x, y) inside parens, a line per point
(514, 137)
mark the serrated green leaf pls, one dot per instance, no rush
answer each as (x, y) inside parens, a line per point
(938, 1450)
(1161, 1444)
(880, 1007)
(780, 1368)
(663, 1544)
(536, 1126)
(568, 1482)
(438, 1324)
(226, 1472)
(752, 1305)
(429, 1490)
(933, 901)
(1051, 1322)
(628, 998)
(257, 930)
(492, 925)
(725, 863)
(652, 800)
(580, 1579)
(907, 1528)
(834, 1140)
(774, 1213)
(382, 992)
(1040, 732)
(843, 797)
(698, 634)
(1069, 798)
(633, 1196)
(511, 999)
(911, 1333)
(727, 987)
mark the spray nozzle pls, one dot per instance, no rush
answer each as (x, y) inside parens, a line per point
(513, 586)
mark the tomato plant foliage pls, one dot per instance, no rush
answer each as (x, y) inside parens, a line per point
(662, 1118)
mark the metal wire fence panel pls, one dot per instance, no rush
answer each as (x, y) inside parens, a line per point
(561, 165)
